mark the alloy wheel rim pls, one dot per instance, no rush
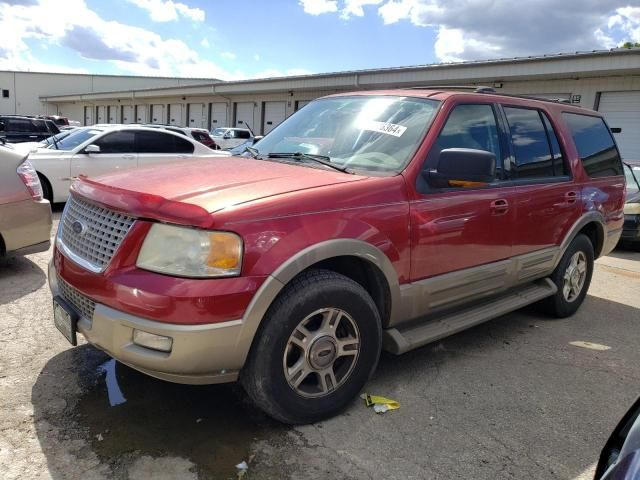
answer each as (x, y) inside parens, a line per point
(321, 353)
(574, 276)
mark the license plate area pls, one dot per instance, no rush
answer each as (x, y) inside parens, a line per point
(65, 319)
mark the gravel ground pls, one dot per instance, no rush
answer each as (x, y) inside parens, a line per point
(512, 398)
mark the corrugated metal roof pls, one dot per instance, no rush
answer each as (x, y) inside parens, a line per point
(426, 67)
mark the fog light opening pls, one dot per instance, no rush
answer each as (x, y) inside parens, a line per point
(152, 341)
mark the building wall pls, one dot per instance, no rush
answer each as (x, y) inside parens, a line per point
(25, 88)
(586, 88)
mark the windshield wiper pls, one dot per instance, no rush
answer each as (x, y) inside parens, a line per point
(252, 151)
(321, 159)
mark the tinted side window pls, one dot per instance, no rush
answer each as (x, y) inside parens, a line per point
(183, 146)
(559, 163)
(21, 125)
(155, 142)
(242, 134)
(117, 142)
(468, 126)
(595, 145)
(530, 143)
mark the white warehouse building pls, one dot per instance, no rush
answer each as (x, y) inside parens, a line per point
(607, 81)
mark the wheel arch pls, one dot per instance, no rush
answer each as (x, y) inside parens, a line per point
(43, 179)
(593, 226)
(361, 261)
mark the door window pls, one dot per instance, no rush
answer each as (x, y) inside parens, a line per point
(595, 145)
(117, 142)
(468, 126)
(161, 142)
(534, 155)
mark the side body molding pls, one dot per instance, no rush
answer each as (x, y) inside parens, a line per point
(311, 255)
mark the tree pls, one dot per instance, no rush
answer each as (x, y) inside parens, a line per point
(630, 45)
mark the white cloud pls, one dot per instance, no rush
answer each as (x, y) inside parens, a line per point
(205, 43)
(318, 7)
(168, 10)
(274, 72)
(228, 55)
(354, 7)
(256, 57)
(78, 28)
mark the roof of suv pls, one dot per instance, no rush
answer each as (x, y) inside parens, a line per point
(472, 92)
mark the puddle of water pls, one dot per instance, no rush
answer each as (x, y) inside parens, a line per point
(590, 345)
(213, 426)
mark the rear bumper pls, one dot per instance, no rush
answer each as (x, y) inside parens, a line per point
(200, 354)
(631, 228)
(25, 226)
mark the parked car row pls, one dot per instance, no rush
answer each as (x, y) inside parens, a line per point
(26, 129)
(365, 221)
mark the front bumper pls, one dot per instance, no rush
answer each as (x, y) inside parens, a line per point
(631, 228)
(200, 354)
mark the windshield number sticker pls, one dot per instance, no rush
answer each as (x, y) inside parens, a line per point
(384, 127)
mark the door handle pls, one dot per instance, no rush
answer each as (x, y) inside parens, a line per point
(499, 207)
(571, 197)
(128, 157)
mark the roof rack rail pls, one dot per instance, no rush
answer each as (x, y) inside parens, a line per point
(473, 88)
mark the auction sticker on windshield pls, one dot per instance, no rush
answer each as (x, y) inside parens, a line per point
(384, 127)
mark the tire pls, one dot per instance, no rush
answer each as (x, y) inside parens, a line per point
(314, 299)
(47, 192)
(562, 305)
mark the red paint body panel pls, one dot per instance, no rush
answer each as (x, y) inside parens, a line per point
(279, 210)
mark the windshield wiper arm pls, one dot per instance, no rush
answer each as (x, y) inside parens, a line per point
(321, 159)
(253, 152)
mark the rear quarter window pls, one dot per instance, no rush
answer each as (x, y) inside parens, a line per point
(595, 145)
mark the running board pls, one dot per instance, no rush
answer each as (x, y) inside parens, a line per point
(402, 339)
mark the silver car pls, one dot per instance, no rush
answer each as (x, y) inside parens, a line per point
(25, 218)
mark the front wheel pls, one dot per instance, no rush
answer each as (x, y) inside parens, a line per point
(572, 276)
(318, 344)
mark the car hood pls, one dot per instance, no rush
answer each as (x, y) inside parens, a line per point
(210, 184)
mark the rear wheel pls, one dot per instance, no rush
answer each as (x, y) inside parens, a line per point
(572, 276)
(317, 346)
(47, 191)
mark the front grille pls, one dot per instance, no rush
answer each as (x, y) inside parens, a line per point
(84, 305)
(90, 234)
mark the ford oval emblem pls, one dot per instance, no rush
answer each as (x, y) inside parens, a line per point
(78, 227)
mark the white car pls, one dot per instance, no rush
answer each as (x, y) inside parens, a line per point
(104, 149)
(230, 137)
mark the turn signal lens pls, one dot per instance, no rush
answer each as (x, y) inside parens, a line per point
(224, 251)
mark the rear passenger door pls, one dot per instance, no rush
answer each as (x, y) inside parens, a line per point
(117, 152)
(158, 147)
(547, 201)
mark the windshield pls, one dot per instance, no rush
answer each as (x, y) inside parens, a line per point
(371, 133)
(76, 138)
(632, 175)
(219, 132)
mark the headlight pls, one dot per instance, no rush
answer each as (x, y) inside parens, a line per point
(188, 252)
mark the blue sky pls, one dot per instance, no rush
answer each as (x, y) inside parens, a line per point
(235, 39)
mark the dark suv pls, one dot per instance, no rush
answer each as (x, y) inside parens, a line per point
(365, 221)
(27, 129)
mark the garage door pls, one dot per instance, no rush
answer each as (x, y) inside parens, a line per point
(176, 114)
(101, 114)
(127, 114)
(113, 113)
(622, 111)
(196, 115)
(157, 113)
(274, 113)
(244, 115)
(218, 115)
(88, 115)
(141, 113)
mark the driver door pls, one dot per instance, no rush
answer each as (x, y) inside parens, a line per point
(117, 152)
(467, 230)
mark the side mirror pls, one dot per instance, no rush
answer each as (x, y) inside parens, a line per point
(92, 149)
(620, 456)
(463, 167)
(256, 139)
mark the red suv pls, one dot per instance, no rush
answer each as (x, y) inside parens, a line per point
(365, 221)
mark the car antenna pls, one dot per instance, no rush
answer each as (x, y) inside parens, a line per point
(247, 125)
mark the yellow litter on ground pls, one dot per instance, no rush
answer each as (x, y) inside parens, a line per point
(379, 404)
